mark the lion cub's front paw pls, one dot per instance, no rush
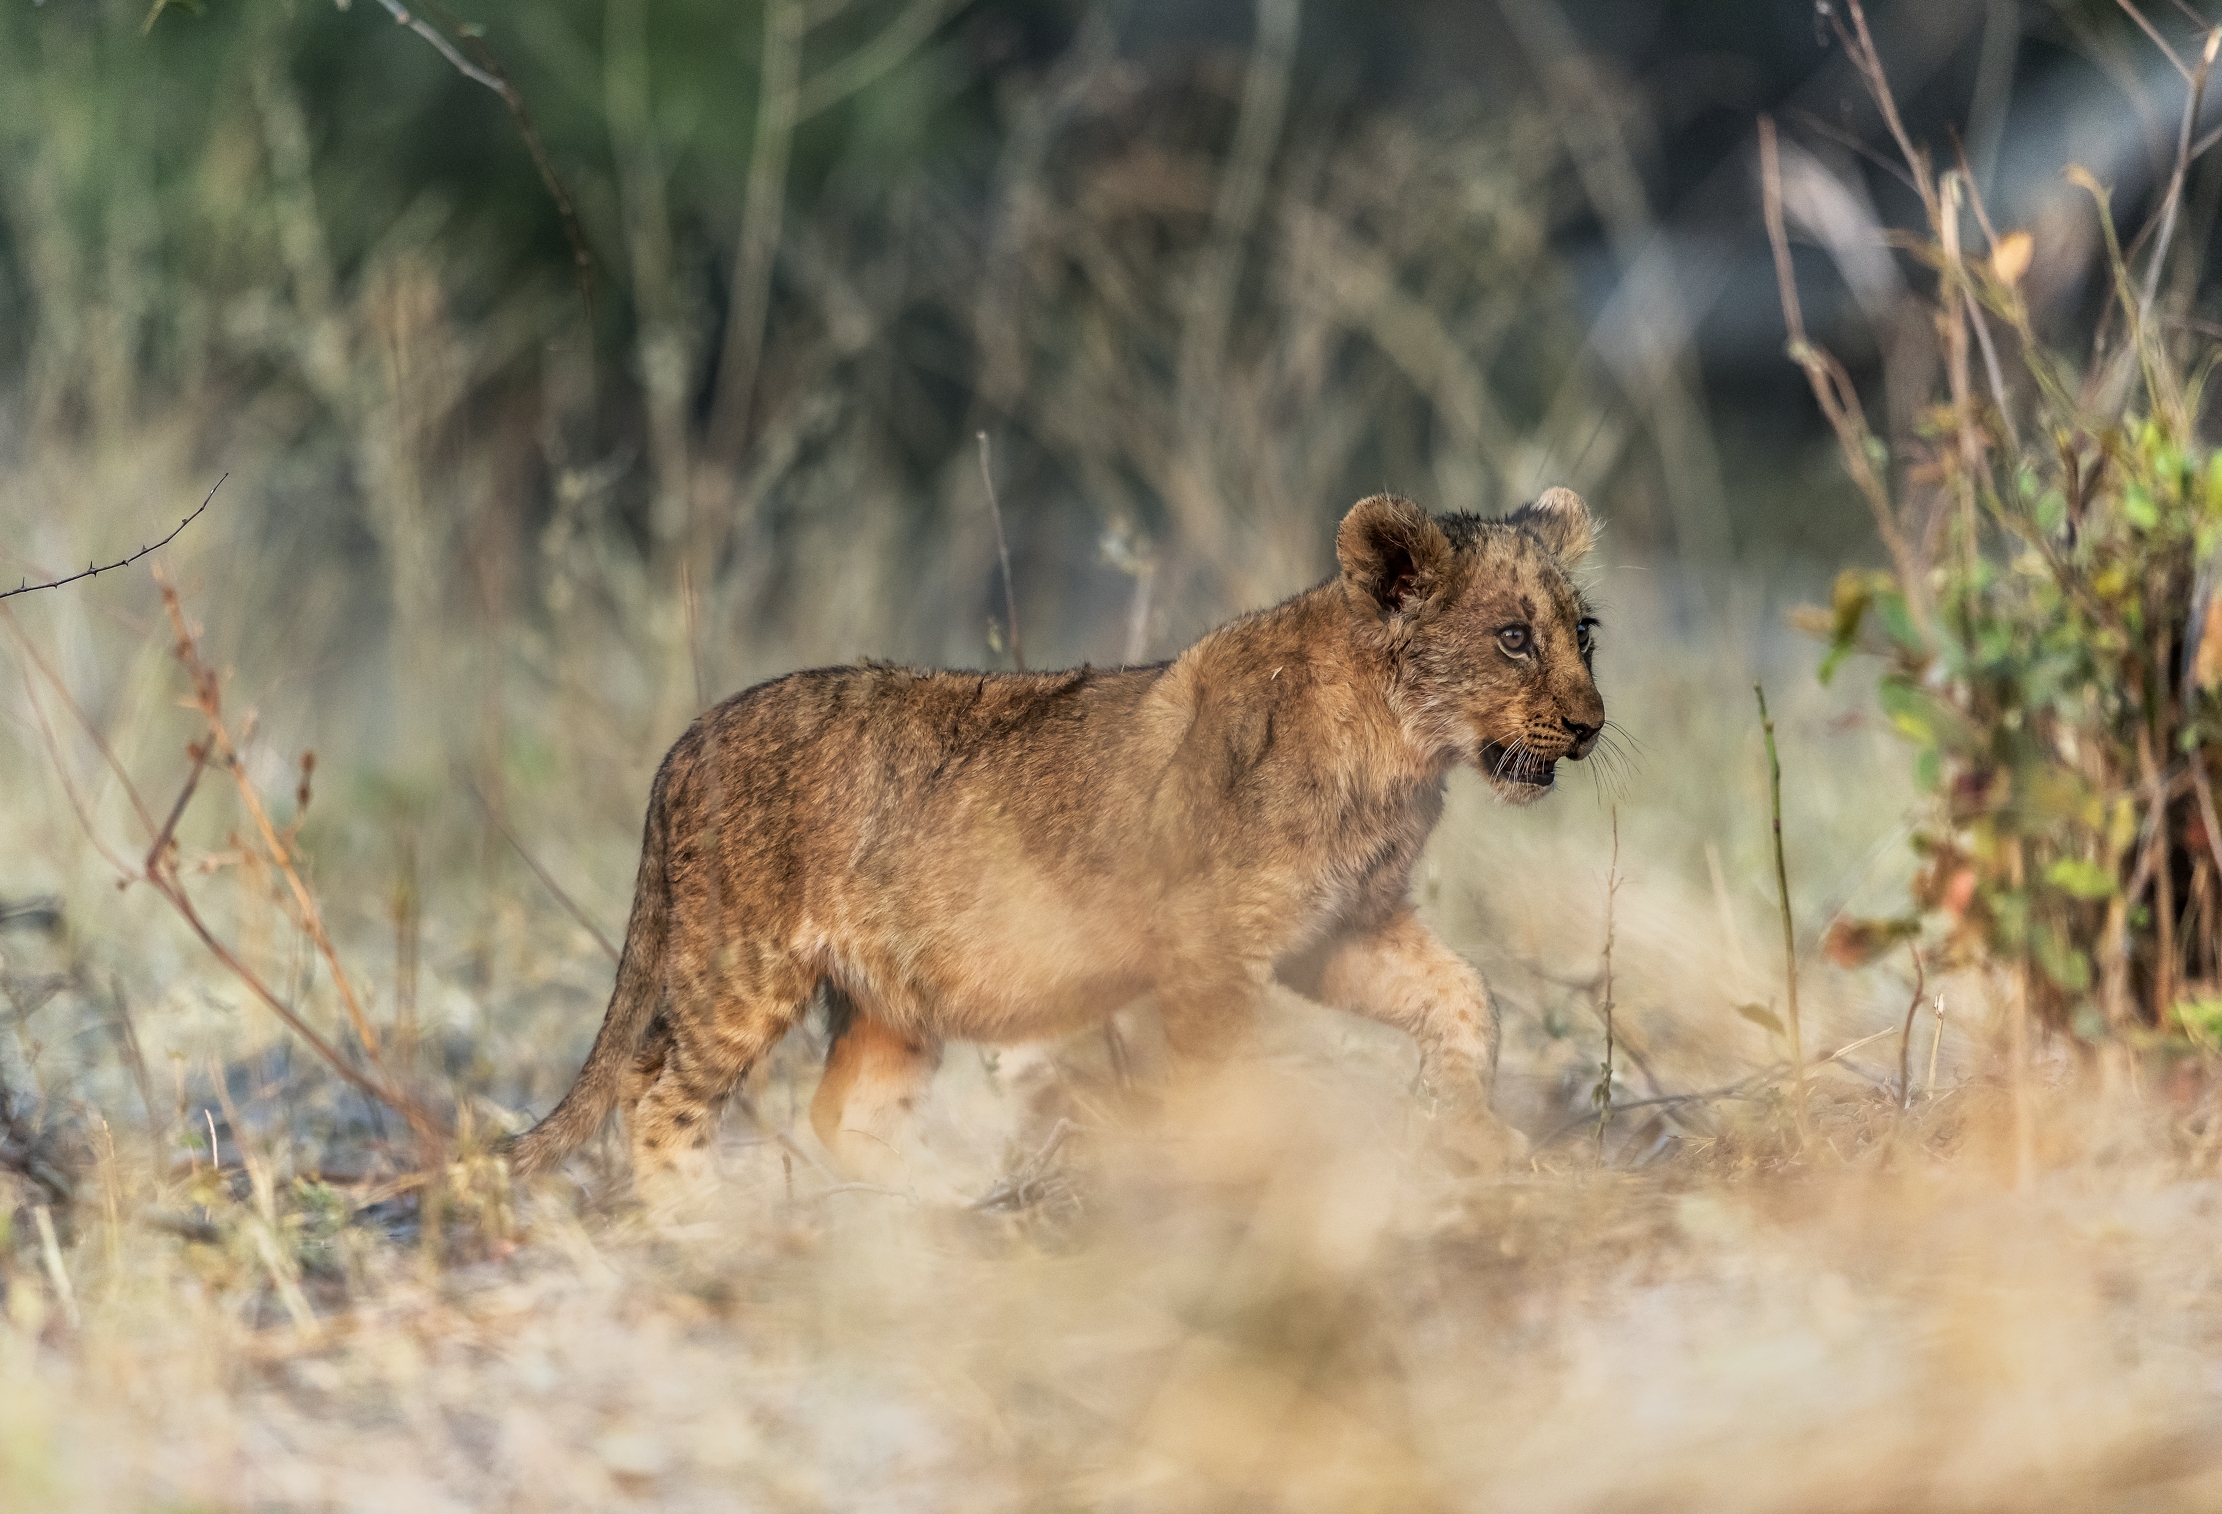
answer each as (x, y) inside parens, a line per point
(1474, 1136)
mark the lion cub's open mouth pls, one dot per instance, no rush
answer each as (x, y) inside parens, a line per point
(1508, 766)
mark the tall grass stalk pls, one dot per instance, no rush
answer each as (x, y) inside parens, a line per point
(1795, 1022)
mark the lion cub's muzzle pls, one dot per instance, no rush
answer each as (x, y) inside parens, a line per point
(1531, 759)
(1580, 738)
(1518, 764)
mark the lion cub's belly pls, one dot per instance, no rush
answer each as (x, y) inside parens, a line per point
(1006, 954)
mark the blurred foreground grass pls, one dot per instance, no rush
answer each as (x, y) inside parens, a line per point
(1284, 1300)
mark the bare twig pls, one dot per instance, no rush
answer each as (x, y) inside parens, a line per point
(1024, 1186)
(1002, 550)
(404, 17)
(2158, 40)
(1743, 1088)
(1832, 385)
(208, 698)
(124, 562)
(1991, 367)
(160, 872)
(2174, 201)
(1859, 46)
(485, 71)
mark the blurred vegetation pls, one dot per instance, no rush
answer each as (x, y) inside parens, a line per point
(1202, 273)
(2046, 626)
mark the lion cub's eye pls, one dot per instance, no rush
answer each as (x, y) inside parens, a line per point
(1585, 635)
(1514, 639)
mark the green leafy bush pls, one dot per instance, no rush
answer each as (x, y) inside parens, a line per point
(2044, 630)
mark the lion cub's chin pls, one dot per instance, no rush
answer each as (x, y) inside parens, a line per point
(1515, 777)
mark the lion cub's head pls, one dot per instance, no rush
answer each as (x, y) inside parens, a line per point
(1488, 635)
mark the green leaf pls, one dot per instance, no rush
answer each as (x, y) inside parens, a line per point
(2138, 506)
(1761, 1016)
(2083, 880)
(1891, 609)
(2051, 511)
(1920, 716)
(2201, 1019)
(2062, 963)
(1855, 590)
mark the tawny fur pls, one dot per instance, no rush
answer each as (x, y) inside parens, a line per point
(1001, 857)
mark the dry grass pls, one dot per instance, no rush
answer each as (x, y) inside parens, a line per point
(1287, 1299)
(488, 595)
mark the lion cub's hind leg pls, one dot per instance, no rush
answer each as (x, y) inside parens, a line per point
(723, 1009)
(874, 1077)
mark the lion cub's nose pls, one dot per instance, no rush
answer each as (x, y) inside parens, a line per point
(1583, 737)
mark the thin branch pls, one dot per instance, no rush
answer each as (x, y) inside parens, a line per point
(1832, 386)
(425, 29)
(125, 562)
(2158, 40)
(1991, 366)
(1993, 372)
(156, 854)
(486, 71)
(160, 873)
(1845, 139)
(208, 699)
(2174, 202)
(1859, 46)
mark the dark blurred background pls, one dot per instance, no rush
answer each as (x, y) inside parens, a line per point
(693, 320)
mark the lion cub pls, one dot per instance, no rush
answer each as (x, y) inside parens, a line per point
(1002, 857)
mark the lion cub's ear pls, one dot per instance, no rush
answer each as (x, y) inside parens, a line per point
(1560, 521)
(1392, 551)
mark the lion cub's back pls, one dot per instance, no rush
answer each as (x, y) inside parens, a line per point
(847, 751)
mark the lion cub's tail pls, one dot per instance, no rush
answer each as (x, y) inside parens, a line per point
(639, 985)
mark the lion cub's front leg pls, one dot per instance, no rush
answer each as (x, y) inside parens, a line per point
(1400, 974)
(873, 1079)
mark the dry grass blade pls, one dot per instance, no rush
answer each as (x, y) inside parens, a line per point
(1789, 930)
(1003, 554)
(547, 879)
(1905, 1038)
